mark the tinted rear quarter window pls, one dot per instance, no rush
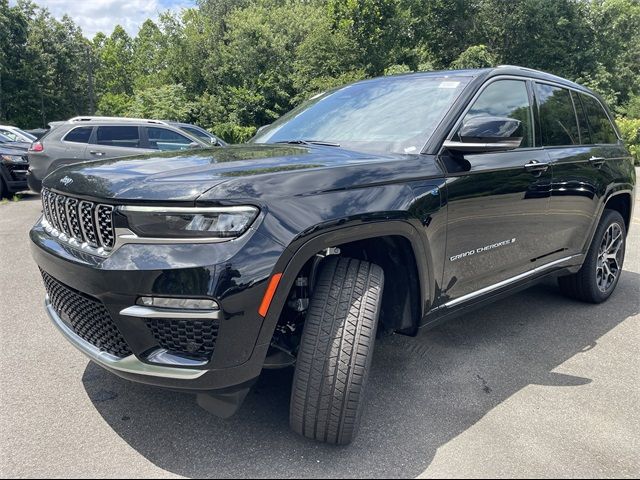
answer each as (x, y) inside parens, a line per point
(118, 136)
(601, 128)
(557, 116)
(79, 135)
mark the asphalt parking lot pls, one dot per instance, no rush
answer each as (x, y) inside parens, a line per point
(533, 386)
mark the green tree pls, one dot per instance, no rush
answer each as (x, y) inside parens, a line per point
(167, 102)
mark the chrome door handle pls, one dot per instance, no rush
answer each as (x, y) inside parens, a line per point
(597, 161)
(97, 153)
(536, 166)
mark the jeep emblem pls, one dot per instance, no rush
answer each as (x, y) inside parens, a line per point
(66, 180)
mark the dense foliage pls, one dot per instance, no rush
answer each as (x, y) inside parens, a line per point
(233, 65)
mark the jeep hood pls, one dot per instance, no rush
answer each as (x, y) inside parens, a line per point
(186, 176)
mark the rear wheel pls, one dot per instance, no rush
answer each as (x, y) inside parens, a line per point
(599, 275)
(4, 191)
(336, 351)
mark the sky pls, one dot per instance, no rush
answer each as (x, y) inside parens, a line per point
(95, 16)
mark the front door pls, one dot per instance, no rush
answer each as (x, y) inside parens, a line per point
(497, 208)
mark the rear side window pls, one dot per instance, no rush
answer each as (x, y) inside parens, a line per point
(557, 116)
(118, 136)
(164, 139)
(79, 135)
(601, 128)
(583, 124)
(506, 98)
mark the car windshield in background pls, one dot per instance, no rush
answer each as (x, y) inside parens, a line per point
(390, 114)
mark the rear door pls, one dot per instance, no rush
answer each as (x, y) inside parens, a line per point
(112, 141)
(581, 142)
(497, 207)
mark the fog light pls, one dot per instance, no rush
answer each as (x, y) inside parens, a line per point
(178, 303)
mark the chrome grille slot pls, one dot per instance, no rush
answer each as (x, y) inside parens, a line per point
(83, 222)
(87, 223)
(61, 213)
(73, 219)
(104, 223)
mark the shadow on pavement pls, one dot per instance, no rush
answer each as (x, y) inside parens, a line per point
(424, 391)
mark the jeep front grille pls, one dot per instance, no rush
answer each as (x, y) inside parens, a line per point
(80, 220)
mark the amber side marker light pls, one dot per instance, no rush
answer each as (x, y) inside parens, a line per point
(268, 295)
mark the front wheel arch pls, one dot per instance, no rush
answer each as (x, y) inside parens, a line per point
(298, 254)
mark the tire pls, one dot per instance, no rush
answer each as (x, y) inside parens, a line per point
(4, 191)
(335, 352)
(589, 283)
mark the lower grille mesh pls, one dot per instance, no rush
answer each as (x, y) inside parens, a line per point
(193, 338)
(88, 317)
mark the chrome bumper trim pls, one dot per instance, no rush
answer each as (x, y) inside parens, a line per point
(150, 312)
(129, 364)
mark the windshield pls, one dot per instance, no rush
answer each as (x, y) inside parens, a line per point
(388, 114)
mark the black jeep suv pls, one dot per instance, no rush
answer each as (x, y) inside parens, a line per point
(386, 205)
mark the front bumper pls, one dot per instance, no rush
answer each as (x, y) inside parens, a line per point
(34, 184)
(14, 175)
(234, 274)
(129, 364)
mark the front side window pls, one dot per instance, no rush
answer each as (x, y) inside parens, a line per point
(79, 135)
(118, 136)
(388, 114)
(164, 139)
(601, 128)
(557, 116)
(506, 99)
(198, 133)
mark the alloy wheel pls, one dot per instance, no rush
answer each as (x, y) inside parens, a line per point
(609, 261)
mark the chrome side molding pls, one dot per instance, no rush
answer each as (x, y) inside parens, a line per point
(508, 281)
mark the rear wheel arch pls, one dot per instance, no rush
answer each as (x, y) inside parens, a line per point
(621, 203)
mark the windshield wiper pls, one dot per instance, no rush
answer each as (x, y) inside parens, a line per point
(310, 142)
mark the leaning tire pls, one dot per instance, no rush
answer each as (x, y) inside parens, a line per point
(335, 352)
(602, 267)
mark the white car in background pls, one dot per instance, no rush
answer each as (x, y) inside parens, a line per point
(16, 135)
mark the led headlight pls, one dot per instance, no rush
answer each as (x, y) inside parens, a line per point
(13, 159)
(198, 222)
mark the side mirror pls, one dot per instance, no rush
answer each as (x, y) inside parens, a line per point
(486, 134)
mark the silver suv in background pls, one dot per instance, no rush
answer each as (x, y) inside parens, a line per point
(82, 139)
